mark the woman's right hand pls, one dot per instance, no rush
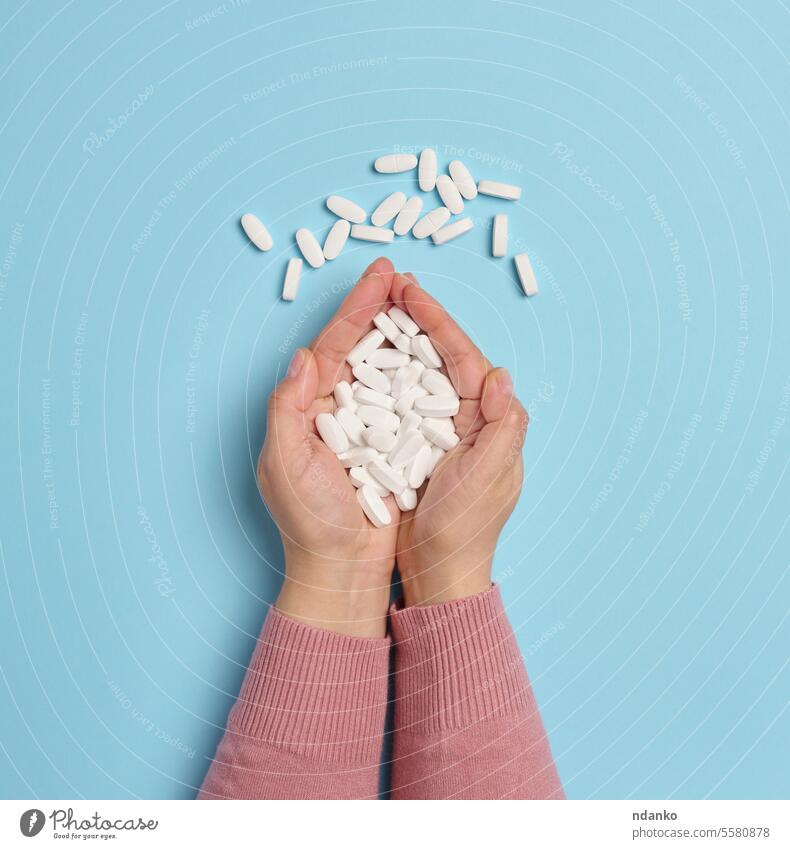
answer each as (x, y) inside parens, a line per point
(446, 545)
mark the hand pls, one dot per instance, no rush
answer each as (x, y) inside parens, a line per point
(338, 566)
(446, 545)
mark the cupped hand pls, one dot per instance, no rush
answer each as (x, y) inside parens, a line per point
(338, 566)
(446, 545)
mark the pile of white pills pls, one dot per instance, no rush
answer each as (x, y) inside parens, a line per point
(394, 423)
(406, 216)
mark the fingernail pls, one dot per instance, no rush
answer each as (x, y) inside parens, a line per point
(296, 363)
(504, 382)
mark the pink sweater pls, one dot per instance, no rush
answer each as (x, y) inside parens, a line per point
(309, 720)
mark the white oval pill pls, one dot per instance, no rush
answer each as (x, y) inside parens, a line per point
(436, 383)
(404, 321)
(372, 398)
(373, 507)
(525, 275)
(452, 231)
(431, 222)
(406, 378)
(369, 342)
(403, 343)
(499, 236)
(331, 432)
(422, 347)
(406, 401)
(499, 190)
(380, 439)
(387, 358)
(443, 440)
(388, 209)
(418, 469)
(445, 425)
(437, 406)
(464, 181)
(406, 500)
(360, 476)
(293, 272)
(426, 173)
(409, 421)
(345, 208)
(308, 245)
(359, 455)
(387, 476)
(336, 238)
(395, 163)
(372, 377)
(407, 450)
(352, 425)
(387, 326)
(366, 233)
(436, 456)
(378, 417)
(344, 396)
(449, 194)
(408, 216)
(256, 232)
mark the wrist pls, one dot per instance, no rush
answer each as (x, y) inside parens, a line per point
(349, 598)
(425, 584)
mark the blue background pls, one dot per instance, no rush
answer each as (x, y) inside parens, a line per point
(645, 568)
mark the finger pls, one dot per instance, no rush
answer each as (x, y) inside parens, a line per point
(466, 366)
(399, 283)
(289, 421)
(498, 445)
(351, 321)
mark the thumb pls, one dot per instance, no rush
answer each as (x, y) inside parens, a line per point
(288, 422)
(500, 440)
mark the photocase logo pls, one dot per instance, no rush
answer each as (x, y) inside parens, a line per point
(31, 822)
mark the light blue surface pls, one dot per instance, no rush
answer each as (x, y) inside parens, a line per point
(645, 568)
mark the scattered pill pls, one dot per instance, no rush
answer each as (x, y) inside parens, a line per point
(426, 173)
(366, 233)
(452, 231)
(345, 208)
(336, 239)
(256, 231)
(525, 274)
(308, 245)
(449, 194)
(388, 209)
(499, 236)
(365, 346)
(404, 321)
(395, 163)
(331, 432)
(431, 222)
(373, 507)
(499, 190)
(293, 271)
(408, 216)
(463, 180)
(423, 348)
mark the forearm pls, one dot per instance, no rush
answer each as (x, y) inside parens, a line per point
(309, 720)
(466, 722)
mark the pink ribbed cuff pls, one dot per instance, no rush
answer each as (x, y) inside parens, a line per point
(457, 664)
(315, 692)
